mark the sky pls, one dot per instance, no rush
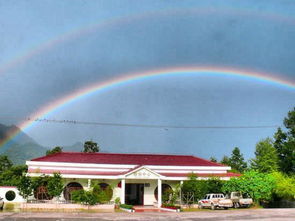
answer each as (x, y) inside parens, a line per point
(50, 49)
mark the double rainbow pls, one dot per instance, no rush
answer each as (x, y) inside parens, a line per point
(131, 77)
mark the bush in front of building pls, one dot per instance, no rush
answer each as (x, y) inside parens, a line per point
(103, 193)
(97, 195)
(199, 188)
(43, 187)
(84, 197)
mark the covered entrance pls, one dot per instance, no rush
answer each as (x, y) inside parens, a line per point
(134, 193)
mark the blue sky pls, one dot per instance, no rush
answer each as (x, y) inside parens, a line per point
(100, 40)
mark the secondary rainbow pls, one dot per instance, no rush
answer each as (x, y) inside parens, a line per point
(116, 21)
(131, 77)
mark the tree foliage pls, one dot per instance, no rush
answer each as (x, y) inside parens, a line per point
(56, 149)
(201, 187)
(90, 147)
(236, 161)
(284, 186)
(55, 185)
(5, 163)
(285, 144)
(258, 185)
(84, 197)
(11, 176)
(213, 159)
(25, 187)
(225, 160)
(266, 159)
(103, 195)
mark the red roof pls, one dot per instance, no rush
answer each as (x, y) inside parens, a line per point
(78, 172)
(131, 159)
(229, 174)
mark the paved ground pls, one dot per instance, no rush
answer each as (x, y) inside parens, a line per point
(206, 215)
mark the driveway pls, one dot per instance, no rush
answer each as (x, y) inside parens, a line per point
(206, 215)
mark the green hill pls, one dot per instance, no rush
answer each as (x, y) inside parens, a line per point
(20, 148)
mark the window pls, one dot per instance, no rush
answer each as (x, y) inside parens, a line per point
(10, 195)
(70, 188)
(166, 191)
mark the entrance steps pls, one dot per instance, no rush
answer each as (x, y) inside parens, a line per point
(141, 209)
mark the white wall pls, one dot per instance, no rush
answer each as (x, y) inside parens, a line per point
(5, 189)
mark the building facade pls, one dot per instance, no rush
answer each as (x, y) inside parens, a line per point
(137, 179)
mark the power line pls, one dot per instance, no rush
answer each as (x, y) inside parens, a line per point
(163, 126)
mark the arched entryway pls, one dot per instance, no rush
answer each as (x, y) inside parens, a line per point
(166, 191)
(41, 193)
(106, 190)
(70, 187)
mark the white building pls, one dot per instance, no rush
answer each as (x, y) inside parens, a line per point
(138, 179)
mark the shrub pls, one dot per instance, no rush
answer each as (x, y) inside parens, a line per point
(201, 187)
(170, 206)
(258, 185)
(84, 197)
(103, 195)
(126, 206)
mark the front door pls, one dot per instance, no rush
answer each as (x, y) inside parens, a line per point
(134, 193)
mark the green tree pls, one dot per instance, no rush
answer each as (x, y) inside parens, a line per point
(25, 187)
(56, 149)
(266, 159)
(225, 160)
(284, 186)
(214, 185)
(237, 161)
(90, 147)
(258, 185)
(201, 187)
(55, 185)
(193, 186)
(213, 159)
(5, 163)
(11, 176)
(285, 144)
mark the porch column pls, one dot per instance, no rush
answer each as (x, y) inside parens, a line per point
(122, 191)
(159, 193)
(89, 184)
(180, 193)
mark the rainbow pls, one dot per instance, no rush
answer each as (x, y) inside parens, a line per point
(114, 22)
(123, 20)
(132, 77)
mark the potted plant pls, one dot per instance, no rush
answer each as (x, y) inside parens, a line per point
(117, 203)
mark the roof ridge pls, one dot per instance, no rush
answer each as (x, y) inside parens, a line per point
(219, 164)
(138, 154)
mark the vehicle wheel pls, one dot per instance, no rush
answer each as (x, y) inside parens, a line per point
(213, 207)
(226, 208)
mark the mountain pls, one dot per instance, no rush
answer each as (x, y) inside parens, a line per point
(76, 147)
(21, 148)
